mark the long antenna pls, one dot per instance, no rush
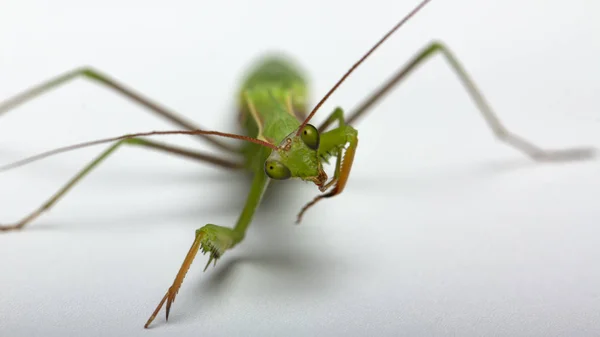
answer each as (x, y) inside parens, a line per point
(128, 136)
(341, 80)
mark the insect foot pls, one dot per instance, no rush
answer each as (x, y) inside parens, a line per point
(582, 153)
(216, 240)
(6, 228)
(20, 224)
(211, 239)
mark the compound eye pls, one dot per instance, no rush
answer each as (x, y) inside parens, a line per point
(310, 136)
(276, 170)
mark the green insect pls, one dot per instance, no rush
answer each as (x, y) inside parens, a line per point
(279, 142)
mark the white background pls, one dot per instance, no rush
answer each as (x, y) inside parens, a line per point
(442, 230)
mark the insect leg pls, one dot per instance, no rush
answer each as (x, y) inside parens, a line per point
(131, 141)
(336, 139)
(97, 76)
(215, 240)
(337, 114)
(499, 130)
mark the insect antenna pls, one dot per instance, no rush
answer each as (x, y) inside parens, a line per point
(364, 57)
(129, 136)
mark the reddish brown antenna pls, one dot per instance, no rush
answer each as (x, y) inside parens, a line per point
(132, 135)
(341, 80)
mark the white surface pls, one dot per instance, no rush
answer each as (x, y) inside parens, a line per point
(441, 230)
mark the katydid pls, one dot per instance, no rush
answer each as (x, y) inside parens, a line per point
(279, 141)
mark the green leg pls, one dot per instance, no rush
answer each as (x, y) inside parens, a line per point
(216, 240)
(328, 143)
(105, 80)
(490, 117)
(131, 141)
(334, 141)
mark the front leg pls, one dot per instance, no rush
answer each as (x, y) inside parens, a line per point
(211, 239)
(215, 240)
(335, 140)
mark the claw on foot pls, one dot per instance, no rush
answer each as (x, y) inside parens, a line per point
(582, 153)
(211, 239)
(23, 222)
(6, 228)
